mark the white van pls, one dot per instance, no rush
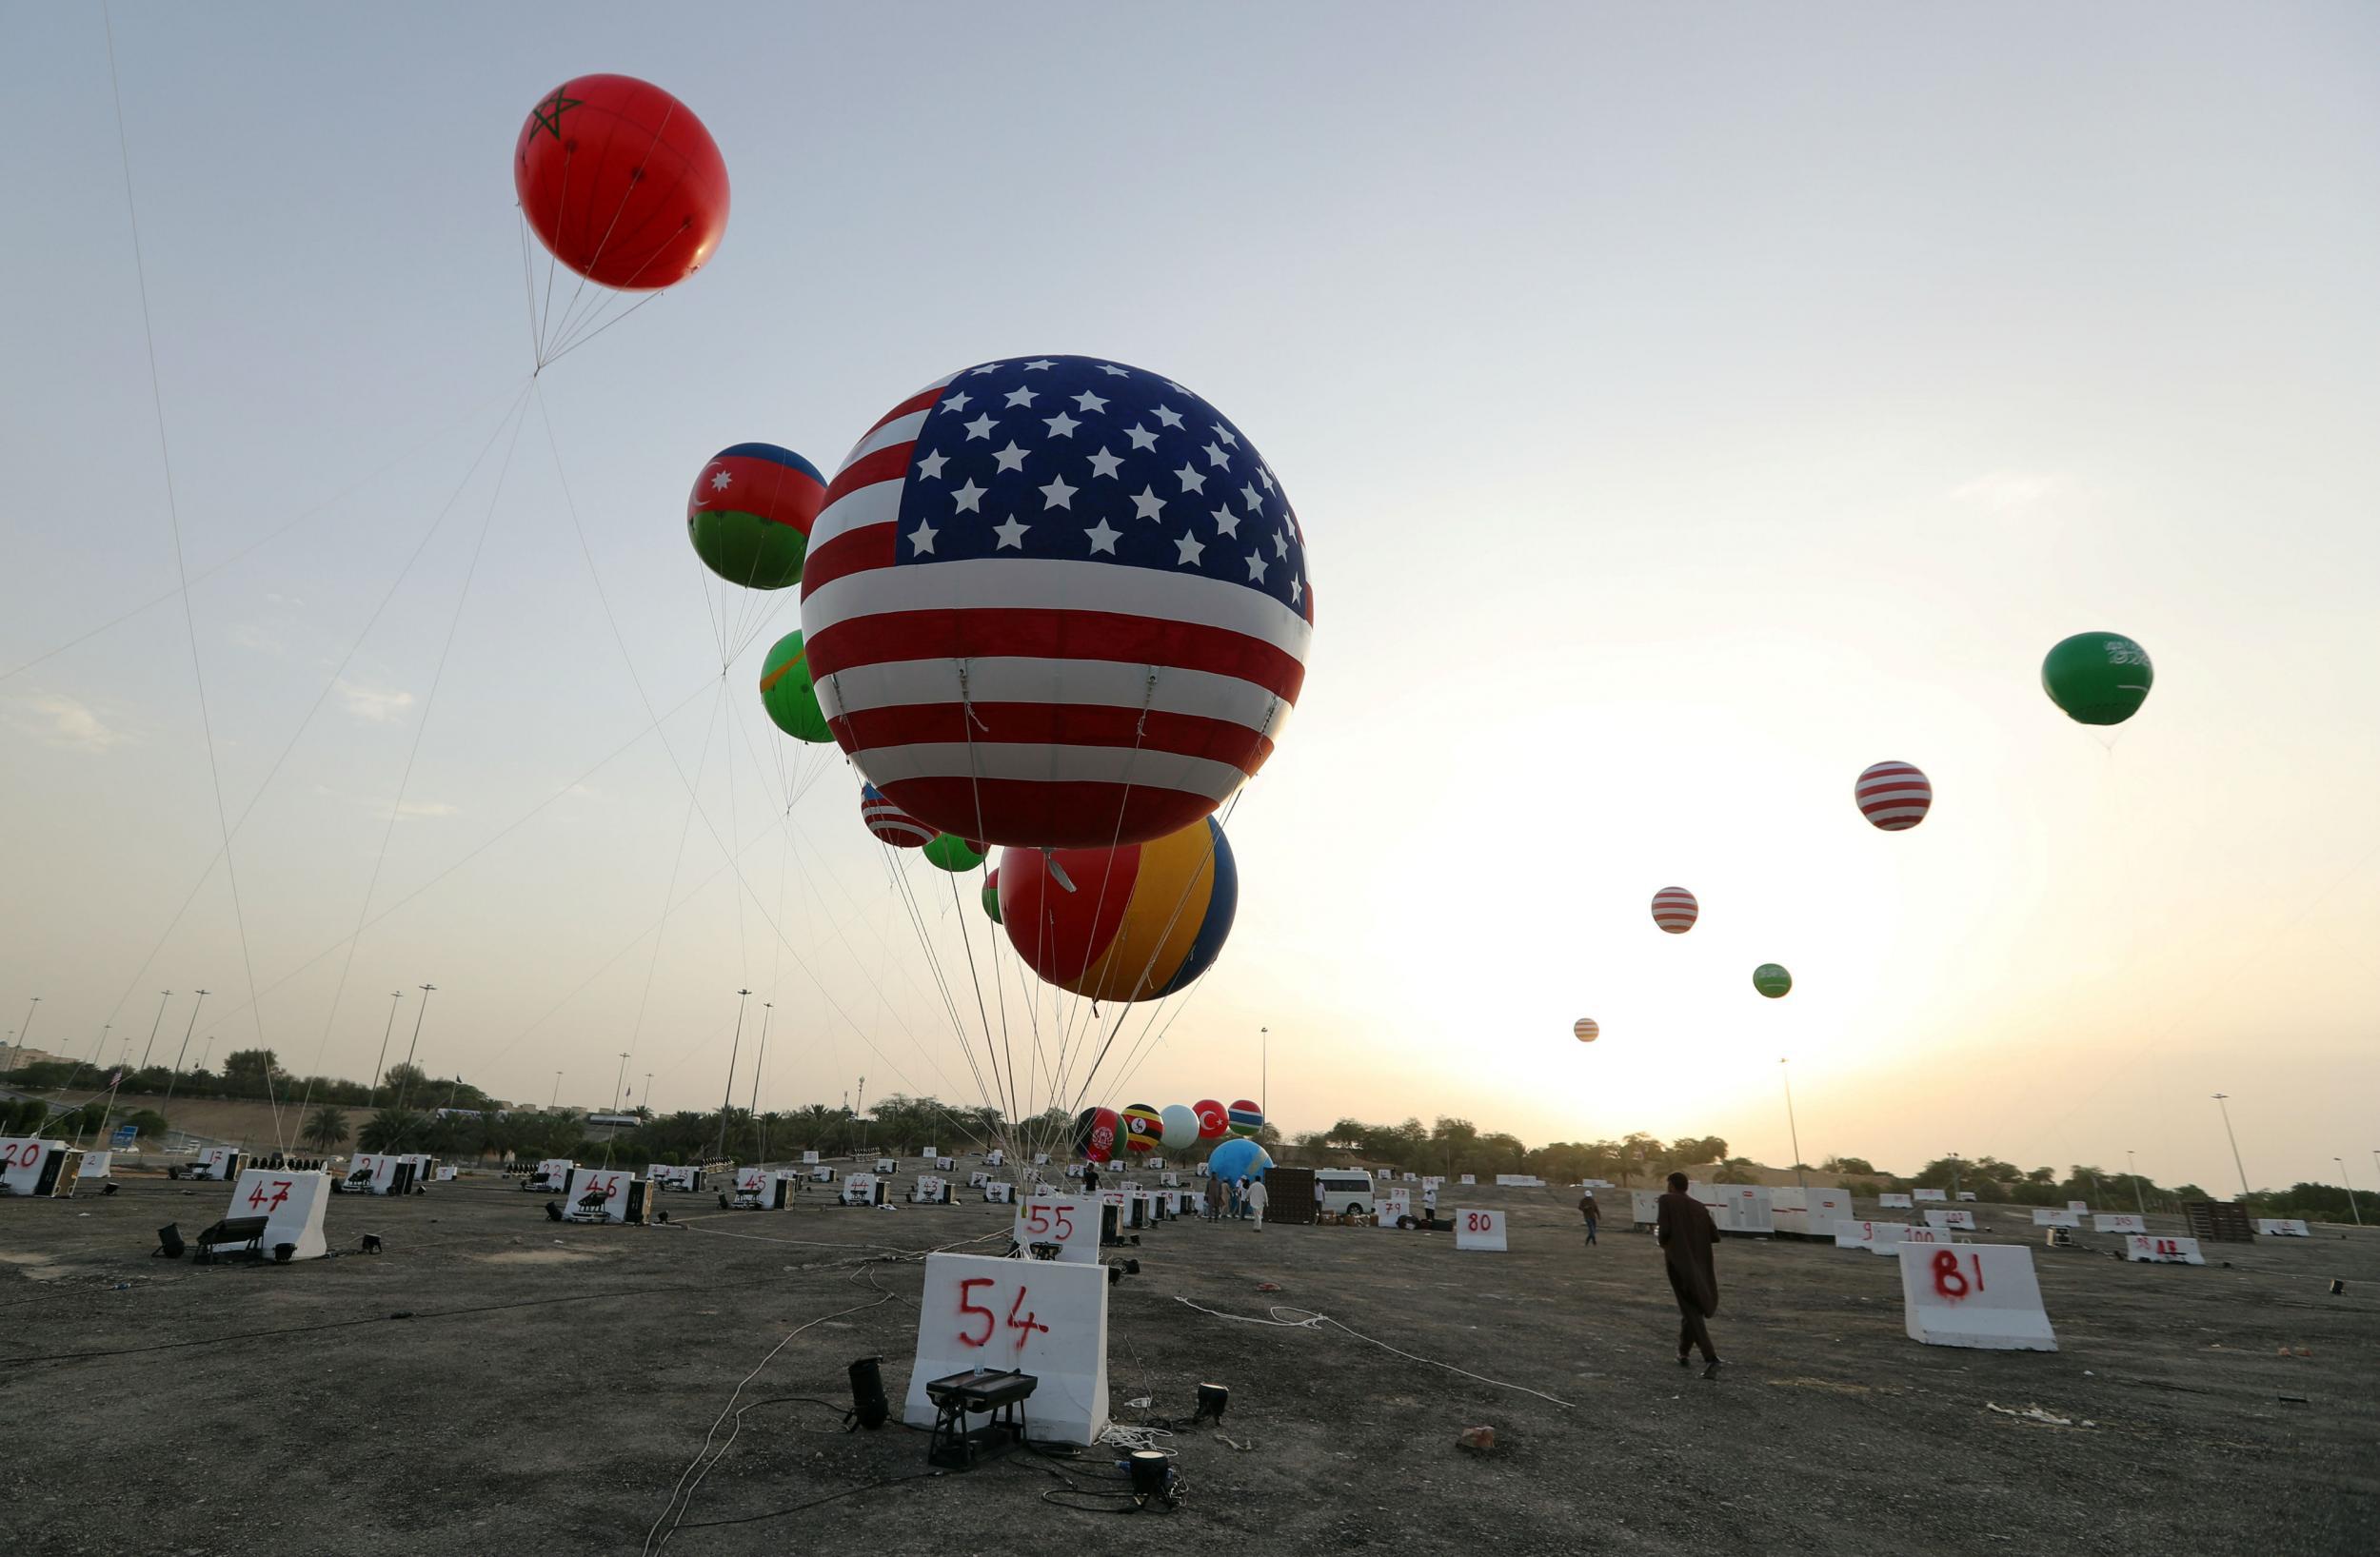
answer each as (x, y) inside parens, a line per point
(1343, 1189)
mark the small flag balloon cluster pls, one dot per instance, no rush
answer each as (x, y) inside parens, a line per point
(1142, 1129)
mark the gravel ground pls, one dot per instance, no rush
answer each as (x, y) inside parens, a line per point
(547, 1385)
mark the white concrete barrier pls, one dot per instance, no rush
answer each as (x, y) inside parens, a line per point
(291, 1204)
(1893, 1202)
(625, 1196)
(1041, 1317)
(1876, 1237)
(1393, 1204)
(2160, 1250)
(2044, 1216)
(1809, 1213)
(95, 1165)
(1922, 1196)
(1956, 1221)
(1071, 1222)
(1982, 1296)
(1929, 1236)
(2108, 1221)
(2267, 1227)
(1480, 1229)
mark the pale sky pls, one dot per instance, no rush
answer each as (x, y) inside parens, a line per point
(1685, 410)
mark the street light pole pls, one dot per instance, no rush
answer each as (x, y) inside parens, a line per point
(25, 1032)
(760, 1140)
(1264, 1071)
(414, 1047)
(619, 1081)
(163, 995)
(2351, 1191)
(373, 1100)
(185, 1045)
(2234, 1140)
(2139, 1202)
(556, 1098)
(1792, 1129)
(728, 1099)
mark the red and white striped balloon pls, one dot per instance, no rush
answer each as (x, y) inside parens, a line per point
(1893, 796)
(890, 823)
(1675, 910)
(1584, 1029)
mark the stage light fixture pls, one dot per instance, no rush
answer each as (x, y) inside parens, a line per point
(371, 1244)
(1152, 1475)
(1213, 1399)
(169, 1240)
(283, 1254)
(553, 1211)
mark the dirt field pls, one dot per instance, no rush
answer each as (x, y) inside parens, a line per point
(548, 1384)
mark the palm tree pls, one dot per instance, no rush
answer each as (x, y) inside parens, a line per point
(388, 1127)
(326, 1127)
(1736, 1170)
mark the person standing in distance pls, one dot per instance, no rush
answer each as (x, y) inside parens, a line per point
(1685, 1231)
(1594, 1213)
(1258, 1195)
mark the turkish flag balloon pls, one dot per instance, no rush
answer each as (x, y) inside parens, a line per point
(621, 182)
(1214, 1120)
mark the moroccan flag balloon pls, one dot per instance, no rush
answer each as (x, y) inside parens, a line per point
(1892, 796)
(1772, 980)
(1675, 910)
(621, 182)
(1057, 602)
(2097, 677)
(751, 512)
(1246, 1119)
(954, 853)
(1143, 1128)
(1214, 1119)
(890, 823)
(1584, 1029)
(787, 692)
(991, 896)
(1135, 923)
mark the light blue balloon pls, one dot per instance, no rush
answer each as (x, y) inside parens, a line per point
(1240, 1158)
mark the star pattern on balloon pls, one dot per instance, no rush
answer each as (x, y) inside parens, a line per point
(548, 113)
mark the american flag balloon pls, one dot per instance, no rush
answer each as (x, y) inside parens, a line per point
(1057, 602)
(1675, 910)
(1893, 796)
(890, 823)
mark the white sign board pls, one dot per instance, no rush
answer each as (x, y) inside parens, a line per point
(95, 1165)
(1893, 1202)
(1041, 1317)
(1071, 1222)
(2154, 1250)
(809, 1159)
(290, 1203)
(1982, 1296)
(1876, 1237)
(2108, 1221)
(2079, 1205)
(611, 1183)
(999, 1192)
(1393, 1204)
(1480, 1229)
(2267, 1227)
(445, 1174)
(1961, 1221)
(369, 1173)
(1644, 1207)
(886, 1167)
(2043, 1216)
(1929, 1194)
(1470, 1178)
(858, 1188)
(21, 1159)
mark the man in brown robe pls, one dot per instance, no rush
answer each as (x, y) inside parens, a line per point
(1686, 1232)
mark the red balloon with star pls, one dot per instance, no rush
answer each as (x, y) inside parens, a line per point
(621, 182)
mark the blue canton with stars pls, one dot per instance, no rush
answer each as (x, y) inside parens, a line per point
(1081, 459)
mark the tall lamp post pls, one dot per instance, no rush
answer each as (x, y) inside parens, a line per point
(1792, 1129)
(2140, 1203)
(395, 995)
(556, 1098)
(619, 1081)
(760, 1146)
(25, 1031)
(1264, 1071)
(414, 1046)
(2350, 1192)
(186, 1044)
(2234, 1140)
(163, 995)
(728, 1099)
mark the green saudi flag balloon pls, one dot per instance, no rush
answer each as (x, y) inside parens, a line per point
(2097, 677)
(787, 692)
(953, 853)
(1771, 979)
